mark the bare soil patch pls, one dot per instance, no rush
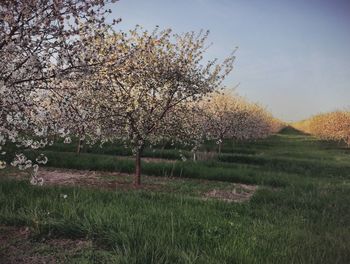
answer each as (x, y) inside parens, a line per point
(239, 193)
(94, 179)
(16, 246)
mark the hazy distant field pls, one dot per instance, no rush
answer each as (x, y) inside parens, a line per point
(291, 204)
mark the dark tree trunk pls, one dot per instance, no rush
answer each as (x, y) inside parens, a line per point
(137, 180)
(220, 147)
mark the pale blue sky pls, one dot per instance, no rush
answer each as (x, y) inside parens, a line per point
(293, 56)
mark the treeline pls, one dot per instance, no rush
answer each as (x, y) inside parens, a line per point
(230, 116)
(329, 126)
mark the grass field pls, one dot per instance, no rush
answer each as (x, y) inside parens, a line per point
(299, 213)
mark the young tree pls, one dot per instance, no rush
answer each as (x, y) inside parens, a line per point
(141, 96)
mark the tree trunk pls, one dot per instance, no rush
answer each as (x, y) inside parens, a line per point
(220, 147)
(137, 180)
(80, 142)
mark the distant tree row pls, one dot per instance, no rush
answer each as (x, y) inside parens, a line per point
(229, 116)
(329, 126)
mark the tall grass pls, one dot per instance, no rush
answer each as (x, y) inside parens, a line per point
(285, 226)
(304, 220)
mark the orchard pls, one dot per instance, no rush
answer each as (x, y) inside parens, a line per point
(123, 143)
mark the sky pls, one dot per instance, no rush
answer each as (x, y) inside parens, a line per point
(293, 55)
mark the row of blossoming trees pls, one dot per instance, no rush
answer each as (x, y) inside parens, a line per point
(329, 126)
(229, 116)
(65, 72)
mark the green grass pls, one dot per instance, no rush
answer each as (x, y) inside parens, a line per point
(117, 149)
(197, 170)
(305, 218)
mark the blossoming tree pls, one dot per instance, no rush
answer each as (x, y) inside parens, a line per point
(142, 99)
(37, 42)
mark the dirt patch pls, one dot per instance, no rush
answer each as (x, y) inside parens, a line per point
(16, 246)
(112, 181)
(13, 233)
(239, 193)
(93, 179)
(67, 177)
